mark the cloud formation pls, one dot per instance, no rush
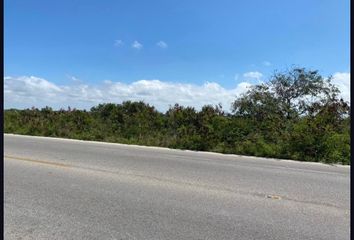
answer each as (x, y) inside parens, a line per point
(118, 43)
(162, 44)
(253, 75)
(137, 45)
(342, 81)
(267, 64)
(27, 91)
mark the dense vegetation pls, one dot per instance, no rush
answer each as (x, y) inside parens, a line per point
(296, 115)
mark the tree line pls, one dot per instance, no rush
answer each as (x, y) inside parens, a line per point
(297, 114)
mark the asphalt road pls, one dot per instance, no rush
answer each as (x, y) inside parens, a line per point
(67, 189)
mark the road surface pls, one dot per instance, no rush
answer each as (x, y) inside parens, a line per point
(68, 189)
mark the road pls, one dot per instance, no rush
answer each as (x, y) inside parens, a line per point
(69, 189)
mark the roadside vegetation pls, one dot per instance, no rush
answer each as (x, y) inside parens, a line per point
(297, 114)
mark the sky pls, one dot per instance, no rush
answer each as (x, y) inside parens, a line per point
(80, 53)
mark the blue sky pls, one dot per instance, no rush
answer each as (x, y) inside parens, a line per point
(179, 42)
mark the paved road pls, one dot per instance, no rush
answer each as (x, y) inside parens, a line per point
(65, 189)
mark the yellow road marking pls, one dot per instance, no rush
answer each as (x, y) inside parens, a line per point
(37, 161)
(274, 197)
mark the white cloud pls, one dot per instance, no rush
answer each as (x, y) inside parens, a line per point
(25, 92)
(342, 81)
(253, 75)
(137, 45)
(162, 44)
(267, 64)
(22, 90)
(118, 43)
(74, 79)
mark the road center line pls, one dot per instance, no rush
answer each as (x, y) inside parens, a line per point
(38, 161)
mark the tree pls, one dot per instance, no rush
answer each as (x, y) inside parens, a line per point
(297, 88)
(298, 110)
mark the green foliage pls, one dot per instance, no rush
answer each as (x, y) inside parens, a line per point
(296, 115)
